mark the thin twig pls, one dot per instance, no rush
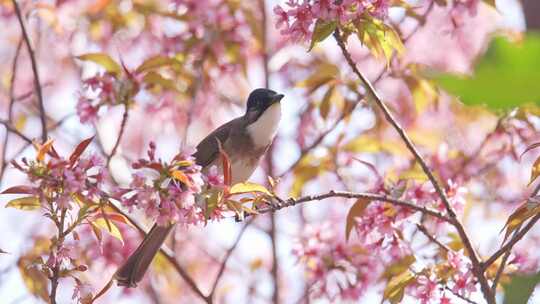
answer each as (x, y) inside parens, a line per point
(424, 230)
(37, 83)
(11, 102)
(517, 235)
(500, 270)
(460, 296)
(123, 124)
(272, 232)
(345, 194)
(227, 256)
(475, 261)
(14, 130)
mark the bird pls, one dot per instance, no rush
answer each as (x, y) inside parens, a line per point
(245, 140)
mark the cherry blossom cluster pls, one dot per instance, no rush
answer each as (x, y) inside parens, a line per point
(59, 181)
(169, 192)
(103, 90)
(340, 270)
(297, 19)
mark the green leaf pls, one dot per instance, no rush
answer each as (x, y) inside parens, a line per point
(110, 227)
(153, 78)
(25, 203)
(324, 108)
(398, 267)
(323, 74)
(156, 62)
(520, 288)
(248, 187)
(356, 211)
(103, 60)
(490, 3)
(506, 76)
(322, 30)
(381, 39)
(395, 289)
(211, 203)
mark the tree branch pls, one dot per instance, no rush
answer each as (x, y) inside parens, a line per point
(477, 269)
(12, 129)
(37, 83)
(424, 230)
(11, 102)
(345, 194)
(123, 124)
(518, 235)
(227, 256)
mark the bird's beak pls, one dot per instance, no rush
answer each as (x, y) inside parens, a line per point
(277, 98)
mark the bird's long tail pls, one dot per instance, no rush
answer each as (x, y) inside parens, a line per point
(133, 270)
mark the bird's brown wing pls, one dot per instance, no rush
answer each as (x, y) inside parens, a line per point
(207, 149)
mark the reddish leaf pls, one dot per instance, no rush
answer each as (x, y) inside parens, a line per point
(18, 190)
(226, 163)
(80, 149)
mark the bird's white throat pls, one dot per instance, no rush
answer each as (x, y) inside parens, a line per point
(263, 130)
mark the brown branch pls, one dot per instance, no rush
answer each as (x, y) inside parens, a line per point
(11, 102)
(37, 83)
(500, 270)
(460, 296)
(272, 232)
(508, 246)
(227, 256)
(123, 124)
(475, 261)
(168, 255)
(347, 113)
(12, 129)
(518, 235)
(345, 194)
(424, 230)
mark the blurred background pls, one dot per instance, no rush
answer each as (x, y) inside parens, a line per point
(218, 51)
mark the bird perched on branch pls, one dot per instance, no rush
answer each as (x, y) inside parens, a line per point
(245, 140)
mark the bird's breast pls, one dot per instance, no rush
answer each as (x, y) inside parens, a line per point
(263, 130)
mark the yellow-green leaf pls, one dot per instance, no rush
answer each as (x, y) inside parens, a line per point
(398, 267)
(103, 60)
(520, 215)
(535, 170)
(324, 108)
(324, 73)
(156, 62)
(395, 289)
(153, 78)
(110, 227)
(181, 176)
(356, 211)
(35, 281)
(248, 187)
(25, 203)
(368, 144)
(322, 30)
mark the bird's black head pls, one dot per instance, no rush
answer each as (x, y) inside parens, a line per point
(260, 99)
